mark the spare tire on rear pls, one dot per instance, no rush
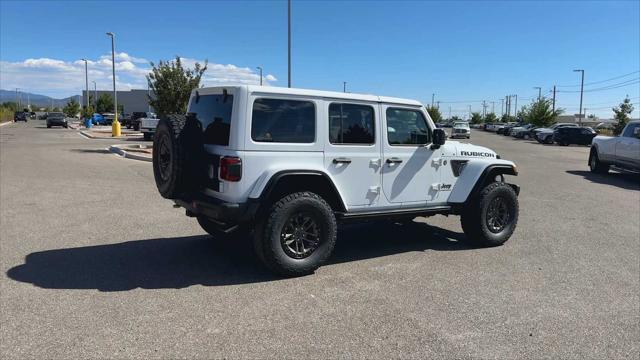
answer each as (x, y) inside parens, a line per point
(178, 156)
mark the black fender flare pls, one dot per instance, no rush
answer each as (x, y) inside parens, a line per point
(489, 173)
(276, 178)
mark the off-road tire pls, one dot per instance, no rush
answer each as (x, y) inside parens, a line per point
(178, 156)
(267, 237)
(595, 165)
(474, 218)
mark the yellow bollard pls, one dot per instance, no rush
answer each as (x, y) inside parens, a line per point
(115, 126)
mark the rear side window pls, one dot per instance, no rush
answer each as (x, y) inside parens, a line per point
(406, 127)
(351, 124)
(286, 121)
(214, 113)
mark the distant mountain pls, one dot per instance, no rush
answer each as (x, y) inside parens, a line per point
(36, 100)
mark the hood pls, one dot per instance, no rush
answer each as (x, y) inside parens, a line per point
(469, 151)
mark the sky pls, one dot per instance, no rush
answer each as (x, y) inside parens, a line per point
(464, 52)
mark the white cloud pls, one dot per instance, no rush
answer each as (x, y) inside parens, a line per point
(60, 78)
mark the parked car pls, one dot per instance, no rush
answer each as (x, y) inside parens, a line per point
(493, 127)
(545, 135)
(135, 119)
(617, 152)
(32, 115)
(148, 126)
(57, 119)
(507, 129)
(234, 162)
(573, 135)
(107, 118)
(522, 132)
(461, 129)
(20, 116)
(43, 116)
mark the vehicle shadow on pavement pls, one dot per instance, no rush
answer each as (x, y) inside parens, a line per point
(621, 180)
(173, 263)
(91, 151)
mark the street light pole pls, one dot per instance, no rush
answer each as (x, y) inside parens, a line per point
(581, 92)
(433, 96)
(539, 91)
(344, 86)
(86, 80)
(115, 125)
(515, 108)
(260, 68)
(95, 96)
(289, 41)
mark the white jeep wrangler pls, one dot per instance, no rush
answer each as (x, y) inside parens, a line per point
(290, 164)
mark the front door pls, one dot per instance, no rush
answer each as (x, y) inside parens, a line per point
(628, 147)
(410, 173)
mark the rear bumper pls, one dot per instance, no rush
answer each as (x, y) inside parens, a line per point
(226, 214)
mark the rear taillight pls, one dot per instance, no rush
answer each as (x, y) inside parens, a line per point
(230, 168)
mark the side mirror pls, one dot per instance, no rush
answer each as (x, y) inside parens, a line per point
(439, 137)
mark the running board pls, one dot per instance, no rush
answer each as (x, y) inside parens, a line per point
(435, 210)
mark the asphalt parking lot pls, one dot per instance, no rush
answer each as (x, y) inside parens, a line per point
(94, 263)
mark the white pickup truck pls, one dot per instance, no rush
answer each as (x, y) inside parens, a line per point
(620, 152)
(148, 126)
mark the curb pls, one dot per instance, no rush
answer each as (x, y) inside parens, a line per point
(88, 135)
(6, 123)
(118, 151)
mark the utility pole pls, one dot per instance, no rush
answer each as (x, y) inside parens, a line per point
(539, 91)
(554, 98)
(260, 68)
(17, 99)
(484, 109)
(86, 80)
(289, 40)
(449, 112)
(438, 104)
(493, 107)
(501, 107)
(95, 96)
(581, 92)
(115, 125)
(469, 112)
(433, 96)
(515, 108)
(344, 86)
(508, 105)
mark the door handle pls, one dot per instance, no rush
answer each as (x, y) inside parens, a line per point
(342, 160)
(394, 160)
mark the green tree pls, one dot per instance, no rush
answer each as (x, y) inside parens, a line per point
(490, 117)
(105, 103)
(622, 113)
(72, 108)
(172, 84)
(87, 112)
(455, 118)
(10, 105)
(476, 118)
(434, 113)
(540, 113)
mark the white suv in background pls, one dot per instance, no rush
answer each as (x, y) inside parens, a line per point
(461, 129)
(288, 165)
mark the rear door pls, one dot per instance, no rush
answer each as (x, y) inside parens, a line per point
(352, 151)
(628, 147)
(410, 173)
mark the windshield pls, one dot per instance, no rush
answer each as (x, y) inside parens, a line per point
(56, 114)
(461, 124)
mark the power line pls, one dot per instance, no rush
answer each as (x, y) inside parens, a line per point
(608, 87)
(601, 81)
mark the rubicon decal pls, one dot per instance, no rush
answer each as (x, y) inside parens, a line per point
(474, 153)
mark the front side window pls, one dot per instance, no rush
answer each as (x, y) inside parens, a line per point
(214, 114)
(407, 127)
(286, 121)
(351, 124)
(630, 130)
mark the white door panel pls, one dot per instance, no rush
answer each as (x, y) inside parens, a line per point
(410, 171)
(354, 160)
